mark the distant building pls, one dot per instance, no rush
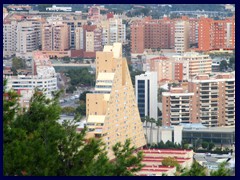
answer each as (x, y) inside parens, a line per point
(28, 38)
(190, 64)
(146, 94)
(43, 77)
(55, 8)
(181, 36)
(113, 31)
(209, 100)
(55, 37)
(216, 34)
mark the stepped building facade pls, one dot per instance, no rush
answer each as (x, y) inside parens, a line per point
(112, 111)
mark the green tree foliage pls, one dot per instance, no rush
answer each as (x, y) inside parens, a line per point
(82, 96)
(81, 77)
(18, 63)
(35, 144)
(160, 91)
(195, 170)
(223, 65)
(204, 144)
(66, 59)
(81, 109)
(170, 161)
(68, 110)
(221, 171)
(125, 158)
(167, 145)
(71, 89)
(211, 146)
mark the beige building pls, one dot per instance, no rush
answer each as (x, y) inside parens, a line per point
(79, 38)
(190, 64)
(28, 38)
(163, 66)
(55, 37)
(181, 36)
(112, 112)
(113, 31)
(9, 38)
(209, 100)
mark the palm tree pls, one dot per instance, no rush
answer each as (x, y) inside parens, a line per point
(158, 123)
(147, 119)
(152, 120)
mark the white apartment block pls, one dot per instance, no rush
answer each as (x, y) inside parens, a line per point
(43, 77)
(146, 94)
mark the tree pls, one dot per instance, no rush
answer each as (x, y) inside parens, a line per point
(66, 59)
(223, 65)
(221, 171)
(18, 63)
(170, 161)
(82, 96)
(68, 110)
(195, 170)
(158, 123)
(204, 144)
(81, 109)
(125, 158)
(211, 146)
(36, 144)
(152, 121)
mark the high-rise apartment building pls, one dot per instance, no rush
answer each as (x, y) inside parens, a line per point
(55, 37)
(190, 64)
(151, 34)
(214, 99)
(216, 34)
(89, 38)
(146, 94)
(112, 112)
(113, 31)
(163, 66)
(9, 38)
(28, 37)
(176, 107)
(181, 36)
(209, 100)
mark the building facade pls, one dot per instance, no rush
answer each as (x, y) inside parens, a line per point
(216, 34)
(209, 101)
(112, 112)
(146, 92)
(28, 38)
(43, 77)
(55, 37)
(181, 36)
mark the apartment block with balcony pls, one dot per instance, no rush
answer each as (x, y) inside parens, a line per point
(190, 64)
(28, 38)
(177, 106)
(214, 100)
(112, 112)
(55, 37)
